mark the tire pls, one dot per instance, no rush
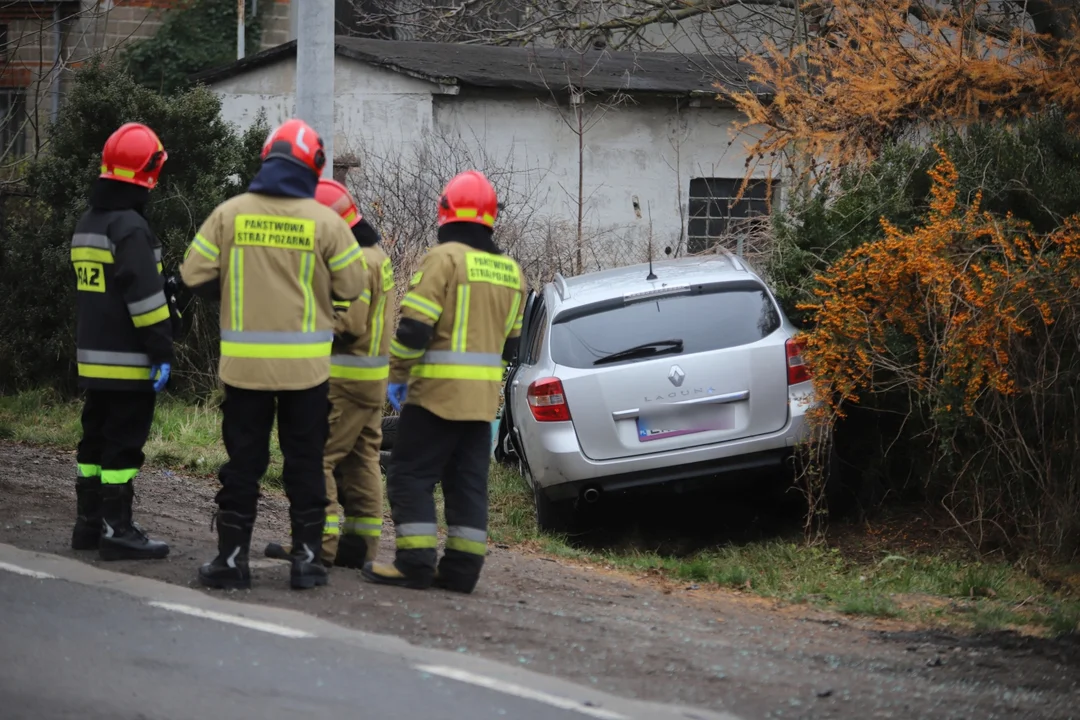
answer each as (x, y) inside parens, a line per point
(553, 516)
(505, 453)
(389, 432)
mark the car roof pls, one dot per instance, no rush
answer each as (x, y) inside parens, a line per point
(616, 282)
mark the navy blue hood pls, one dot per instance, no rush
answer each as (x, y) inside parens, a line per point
(365, 233)
(475, 235)
(107, 194)
(284, 178)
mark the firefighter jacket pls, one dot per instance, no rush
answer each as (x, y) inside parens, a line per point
(123, 324)
(279, 263)
(473, 301)
(360, 363)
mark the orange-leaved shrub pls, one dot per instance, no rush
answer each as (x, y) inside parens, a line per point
(873, 71)
(973, 317)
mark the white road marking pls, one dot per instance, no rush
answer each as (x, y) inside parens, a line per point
(234, 620)
(519, 691)
(26, 571)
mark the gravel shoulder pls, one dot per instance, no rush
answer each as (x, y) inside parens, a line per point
(624, 635)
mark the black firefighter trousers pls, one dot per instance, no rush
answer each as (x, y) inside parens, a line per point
(115, 425)
(303, 424)
(429, 449)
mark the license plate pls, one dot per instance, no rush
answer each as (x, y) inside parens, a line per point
(686, 421)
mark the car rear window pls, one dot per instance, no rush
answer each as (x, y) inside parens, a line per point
(710, 317)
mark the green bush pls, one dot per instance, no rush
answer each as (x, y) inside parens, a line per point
(1030, 169)
(841, 215)
(197, 37)
(895, 443)
(208, 163)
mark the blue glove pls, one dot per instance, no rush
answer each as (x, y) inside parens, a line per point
(395, 393)
(160, 375)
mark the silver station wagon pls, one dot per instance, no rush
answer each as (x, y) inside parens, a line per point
(682, 373)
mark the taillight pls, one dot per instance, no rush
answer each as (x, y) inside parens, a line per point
(797, 371)
(547, 400)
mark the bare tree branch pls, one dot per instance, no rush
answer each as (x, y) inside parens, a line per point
(32, 68)
(707, 26)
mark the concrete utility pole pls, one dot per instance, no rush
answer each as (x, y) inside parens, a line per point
(315, 71)
(240, 29)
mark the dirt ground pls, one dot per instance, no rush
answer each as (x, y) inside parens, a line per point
(707, 648)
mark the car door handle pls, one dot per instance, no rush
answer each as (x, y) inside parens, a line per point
(711, 400)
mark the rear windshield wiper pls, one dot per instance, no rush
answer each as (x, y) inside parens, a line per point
(643, 350)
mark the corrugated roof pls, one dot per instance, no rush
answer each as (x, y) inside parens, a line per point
(527, 68)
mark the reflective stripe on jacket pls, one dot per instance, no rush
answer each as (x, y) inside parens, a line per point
(361, 358)
(474, 301)
(123, 321)
(281, 262)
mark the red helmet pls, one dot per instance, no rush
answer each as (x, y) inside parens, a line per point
(133, 154)
(336, 196)
(295, 140)
(468, 197)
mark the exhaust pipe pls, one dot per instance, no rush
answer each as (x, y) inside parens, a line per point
(591, 495)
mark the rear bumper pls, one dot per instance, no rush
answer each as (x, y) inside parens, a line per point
(563, 471)
(730, 472)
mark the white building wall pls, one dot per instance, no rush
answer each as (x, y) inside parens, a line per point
(367, 101)
(648, 149)
(270, 88)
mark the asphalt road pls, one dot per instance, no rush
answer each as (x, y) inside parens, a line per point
(94, 648)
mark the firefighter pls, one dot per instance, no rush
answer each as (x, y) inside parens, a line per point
(359, 371)
(460, 323)
(124, 343)
(359, 368)
(277, 260)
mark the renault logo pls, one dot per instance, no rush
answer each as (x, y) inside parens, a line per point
(676, 375)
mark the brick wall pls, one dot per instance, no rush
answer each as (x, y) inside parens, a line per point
(28, 56)
(125, 20)
(277, 27)
(129, 20)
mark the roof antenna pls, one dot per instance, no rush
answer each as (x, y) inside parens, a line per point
(651, 275)
(637, 214)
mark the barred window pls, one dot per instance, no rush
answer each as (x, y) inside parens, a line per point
(715, 214)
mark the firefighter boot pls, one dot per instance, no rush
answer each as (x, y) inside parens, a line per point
(87, 530)
(464, 585)
(277, 551)
(308, 570)
(122, 539)
(388, 574)
(229, 570)
(355, 550)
